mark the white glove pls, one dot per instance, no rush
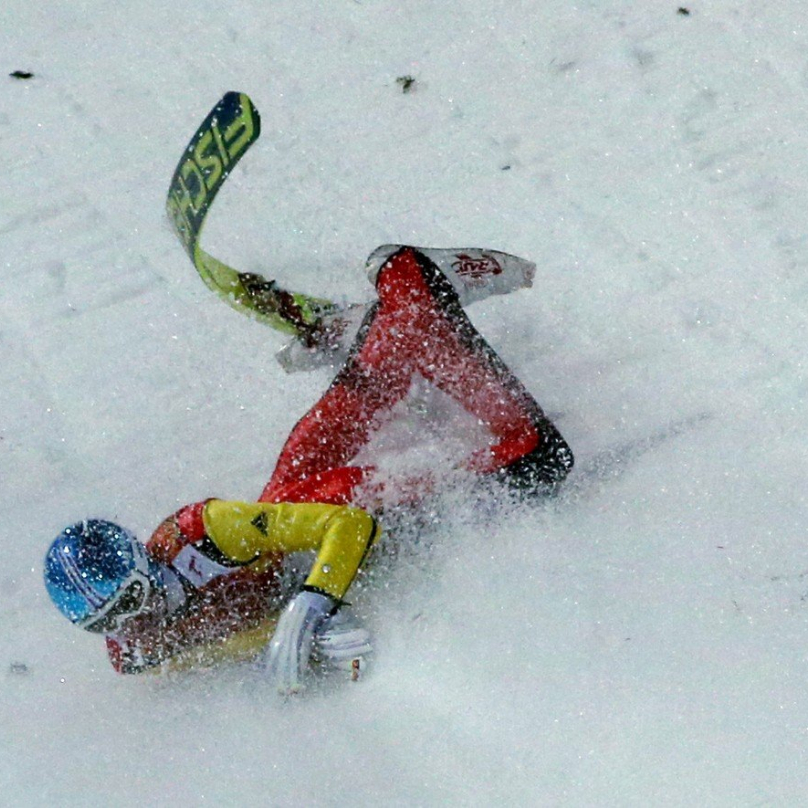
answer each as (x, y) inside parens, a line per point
(287, 658)
(341, 643)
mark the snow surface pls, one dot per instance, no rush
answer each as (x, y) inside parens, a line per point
(640, 641)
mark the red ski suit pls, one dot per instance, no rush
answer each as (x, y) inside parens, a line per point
(417, 326)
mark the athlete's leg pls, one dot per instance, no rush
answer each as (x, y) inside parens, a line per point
(334, 430)
(448, 351)
(376, 375)
(419, 326)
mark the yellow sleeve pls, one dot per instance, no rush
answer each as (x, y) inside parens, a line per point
(341, 536)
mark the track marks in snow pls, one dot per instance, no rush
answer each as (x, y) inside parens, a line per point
(611, 463)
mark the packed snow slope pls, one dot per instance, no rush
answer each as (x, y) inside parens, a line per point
(642, 640)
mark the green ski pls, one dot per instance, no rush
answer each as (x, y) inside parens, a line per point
(222, 139)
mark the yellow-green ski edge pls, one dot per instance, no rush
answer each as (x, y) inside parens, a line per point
(222, 139)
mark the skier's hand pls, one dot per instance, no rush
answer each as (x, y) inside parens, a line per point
(341, 643)
(287, 658)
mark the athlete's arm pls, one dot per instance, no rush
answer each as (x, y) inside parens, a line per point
(231, 534)
(341, 535)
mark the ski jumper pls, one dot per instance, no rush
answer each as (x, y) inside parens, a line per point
(227, 556)
(417, 326)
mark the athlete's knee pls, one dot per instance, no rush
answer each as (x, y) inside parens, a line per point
(409, 272)
(390, 260)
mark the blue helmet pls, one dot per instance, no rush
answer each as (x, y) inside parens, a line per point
(98, 574)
